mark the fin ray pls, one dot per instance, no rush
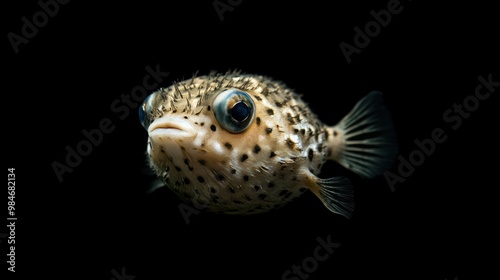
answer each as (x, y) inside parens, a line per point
(367, 142)
(337, 195)
(153, 182)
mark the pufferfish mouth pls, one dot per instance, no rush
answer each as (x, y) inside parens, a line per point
(171, 127)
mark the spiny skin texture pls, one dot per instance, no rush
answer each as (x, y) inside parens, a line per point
(261, 168)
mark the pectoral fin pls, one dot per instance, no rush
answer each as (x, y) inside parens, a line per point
(152, 181)
(336, 193)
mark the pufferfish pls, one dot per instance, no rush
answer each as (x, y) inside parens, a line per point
(244, 144)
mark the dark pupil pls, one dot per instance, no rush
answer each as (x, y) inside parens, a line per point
(240, 111)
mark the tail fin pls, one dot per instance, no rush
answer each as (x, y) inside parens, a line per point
(364, 141)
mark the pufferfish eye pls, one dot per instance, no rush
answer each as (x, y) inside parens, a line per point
(234, 110)
(143, 112)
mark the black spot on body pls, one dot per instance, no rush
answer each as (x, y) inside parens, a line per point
(270, 112)
(228, 145)
(186, 161)
(243, 157)
(219, 177)
(245, 177)
(202, 124)
(257, 188)
(233, 171)
(273, 154)
(208, 108)
(334, 133)
(177, 168)
(202, 161)
(256, 149)
(200, 179)
(290, 143)
(257, 97)
(270, 185)
(231, 189)
(186, 181)
(186, 117)
(310, 154)
(257, 120)
(269, 130)
(213, 127)
(213, 190)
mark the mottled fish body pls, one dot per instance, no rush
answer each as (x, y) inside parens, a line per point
(244, 144)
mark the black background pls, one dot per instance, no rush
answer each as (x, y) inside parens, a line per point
(438, 224)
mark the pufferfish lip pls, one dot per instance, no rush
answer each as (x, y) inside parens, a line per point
(175, 127)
